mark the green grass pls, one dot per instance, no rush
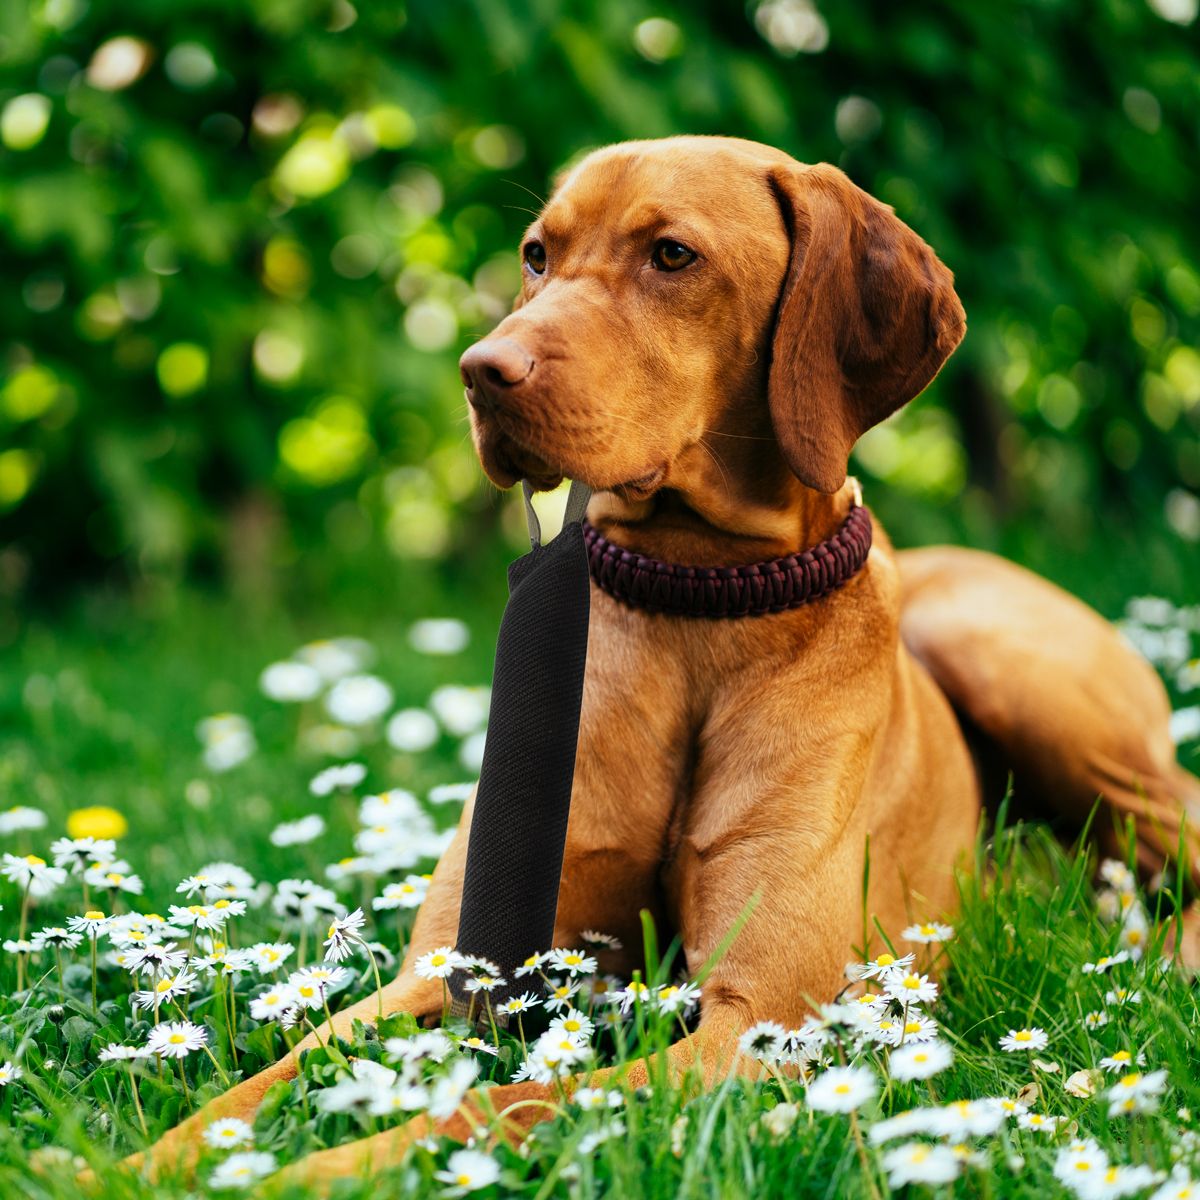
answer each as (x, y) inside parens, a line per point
(100, 708)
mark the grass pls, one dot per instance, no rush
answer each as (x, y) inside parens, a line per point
(101, 709)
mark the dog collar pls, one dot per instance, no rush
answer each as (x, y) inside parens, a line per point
(776, 585)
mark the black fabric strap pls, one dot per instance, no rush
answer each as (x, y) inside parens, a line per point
(519, 825)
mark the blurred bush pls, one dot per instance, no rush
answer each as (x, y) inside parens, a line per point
(245, 243)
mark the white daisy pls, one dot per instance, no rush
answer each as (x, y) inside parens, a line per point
(176, 1039)
(842, 1089)
(242, 1170)
(274, 1003)
(918, 1162)
(1025, 1039)
(228, 1132)
(451, 793)
(30, 873)
(115, 1052)
(9, 1073)
(574, 962)
(438, 964)
(516, 1005)
(439, 635)
(881, 964)
(76, 854)
(270, 956)
(468, 1171)
(21, 818)
(909, 987)
(92, 924)
(920, 1060)
(290, 682)
(1105, 962)
(343, 935)
(409, 893)
(928, 932)
(1038, 1122)
(412, 730)
(344, 775)
(300, 832)
(1121, 1060)
(1121, 996)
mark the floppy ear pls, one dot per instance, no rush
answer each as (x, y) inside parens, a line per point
(866, 318)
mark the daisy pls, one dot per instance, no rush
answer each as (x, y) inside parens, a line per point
(412, 730)
(55, 937)
(21, 818)
(474, 1042)
(1117, 875)
(1105, 962)
(31, 874)
(343, 935)
(531, 965)
(910, 987)
(468, 1171)
(928, 932)
(359, 700)
(968, 1118)
(9, 1073)
(881, 964)
(407, 894)
(92, 924)
(918, 1162)
(165, 990)
(842, 1089)
(438, 964)
(155, 959)
(574, 962)
(1136, 1092)
(920, 1060)
(273, 1004)
(345, 775)
(461, 710)
(1120, 996)
(483, 983)
(114, 1052)
(905, 1124)
(451, 793)
(516, 1005)
(1180, 1186)
(677, 998)
(561, 995)
(597, 1098)
(431, 1044)
(107, 878)
(76, 854)
(229, 1132)
(574, 1023)
(600, 941)
(632, 993)
(1095, 1020)
(176, 1039)
(242, 1170)
(313, 984)
(270, 956)
(1025, 1039)
(1037, 1121)
(18, 946)
(919, 1028)
(1121, 1060)
(200, 916)
(298, 833)
(887, 1030)
(290, 682)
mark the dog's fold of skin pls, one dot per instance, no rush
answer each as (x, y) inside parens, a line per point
(712, 408)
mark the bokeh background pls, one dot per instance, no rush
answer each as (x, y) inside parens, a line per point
(243, 245)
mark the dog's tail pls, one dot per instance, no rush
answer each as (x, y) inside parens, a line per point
(1074, 711)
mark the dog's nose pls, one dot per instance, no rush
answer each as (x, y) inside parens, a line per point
(492, 366)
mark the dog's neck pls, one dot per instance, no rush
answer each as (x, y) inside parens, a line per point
(727, 501)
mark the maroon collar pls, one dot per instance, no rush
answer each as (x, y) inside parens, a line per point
(750, 591)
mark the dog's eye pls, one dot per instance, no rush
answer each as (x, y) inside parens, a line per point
(670, 255)
(535, 257)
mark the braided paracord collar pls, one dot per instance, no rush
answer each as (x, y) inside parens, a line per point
(773, 586)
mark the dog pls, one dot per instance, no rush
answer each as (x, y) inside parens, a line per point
(705, 328)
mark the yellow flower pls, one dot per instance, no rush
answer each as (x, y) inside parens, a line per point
(98, 821)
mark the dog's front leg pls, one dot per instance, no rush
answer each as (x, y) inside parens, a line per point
(436, 925)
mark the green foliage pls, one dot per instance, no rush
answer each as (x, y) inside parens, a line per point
(245, 245)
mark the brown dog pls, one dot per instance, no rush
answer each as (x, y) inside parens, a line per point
(705, 328)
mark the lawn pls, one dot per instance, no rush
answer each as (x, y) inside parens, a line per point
(100, 709)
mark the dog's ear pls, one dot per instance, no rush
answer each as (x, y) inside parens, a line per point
(865, 320)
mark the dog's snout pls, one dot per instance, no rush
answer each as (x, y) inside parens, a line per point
(492, 366)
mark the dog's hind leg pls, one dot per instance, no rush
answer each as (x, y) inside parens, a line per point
(1076, 713)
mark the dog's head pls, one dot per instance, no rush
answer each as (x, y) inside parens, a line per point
(690, 287)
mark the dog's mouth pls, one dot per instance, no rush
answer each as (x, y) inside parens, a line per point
(507, 457)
